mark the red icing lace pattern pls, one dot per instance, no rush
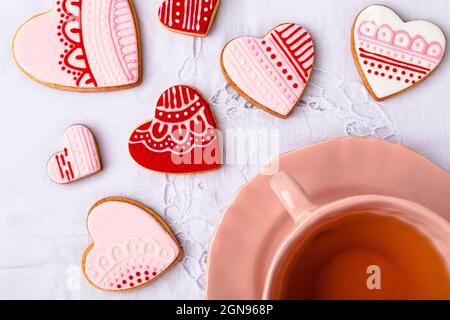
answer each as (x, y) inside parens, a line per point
(73, 58)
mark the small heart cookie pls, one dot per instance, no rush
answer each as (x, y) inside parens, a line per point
(80, 157)
(182, 138)
(131, 245)
(273, 72)
(392, 55)
(192, 17)
(87, 45)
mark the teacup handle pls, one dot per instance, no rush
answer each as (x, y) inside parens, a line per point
(292, 195)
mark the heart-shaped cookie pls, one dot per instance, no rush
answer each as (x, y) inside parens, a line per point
(391, 55)
(182, 138)
(80, 157)
(86, 45)
(272, 73)
(192, 17)
(131, 245)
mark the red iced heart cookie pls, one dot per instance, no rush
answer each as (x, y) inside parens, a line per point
(193, 17)
(272, 73)
(183, 137)
(131, 245)
(391, 55)
(86, 45)
(80, 157)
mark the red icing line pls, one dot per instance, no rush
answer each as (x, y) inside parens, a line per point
(362, 55)
(59, 166)
(290, 59)
(394, 60)
(70, 168)
(92, 79)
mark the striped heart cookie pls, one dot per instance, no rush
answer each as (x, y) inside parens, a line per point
(182, 138)
(391, 55)
(192, 17)
(273, 72)
(79, 158)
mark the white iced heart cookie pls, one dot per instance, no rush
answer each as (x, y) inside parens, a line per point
(86, 45)
(392, 55)
(78, 159)
(273, 72)
(131, 245)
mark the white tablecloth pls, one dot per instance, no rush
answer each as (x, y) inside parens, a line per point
(42, 225)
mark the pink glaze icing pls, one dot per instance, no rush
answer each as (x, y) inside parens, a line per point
(83, 44)
(130, 247)
(400, 39)
(80, 157)
(274, 70)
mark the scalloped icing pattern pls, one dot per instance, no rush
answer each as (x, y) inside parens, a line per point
(130, 247)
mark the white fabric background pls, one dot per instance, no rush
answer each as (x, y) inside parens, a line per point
(42, 225)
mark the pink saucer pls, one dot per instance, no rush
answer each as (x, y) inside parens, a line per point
(255, 223)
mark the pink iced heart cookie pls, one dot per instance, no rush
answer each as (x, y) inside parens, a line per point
(391, 55)
(80, 157)
(131, 245)
(273, 72)
(192, 17)
(85, 45)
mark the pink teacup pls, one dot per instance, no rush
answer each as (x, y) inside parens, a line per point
(362, 247)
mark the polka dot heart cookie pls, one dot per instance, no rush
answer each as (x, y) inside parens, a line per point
(182, 138)
(131, 245)
(273, 72)
(191, 17)
(391, 55)
(87, 45)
